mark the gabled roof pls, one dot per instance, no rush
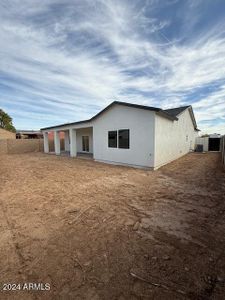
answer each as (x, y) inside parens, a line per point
(170, 114)
(138, 106)
(144, 107)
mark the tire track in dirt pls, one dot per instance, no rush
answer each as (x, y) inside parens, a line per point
(81, 217)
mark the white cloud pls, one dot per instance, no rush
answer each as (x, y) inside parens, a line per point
(93, 52)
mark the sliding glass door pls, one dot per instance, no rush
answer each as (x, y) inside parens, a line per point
(85, 143)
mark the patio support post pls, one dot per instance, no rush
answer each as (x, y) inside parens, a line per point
(57, 142)
(73, 142)
(46, 144)
(67, 140)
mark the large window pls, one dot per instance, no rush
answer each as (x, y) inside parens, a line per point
(112, 139)
(124, 139)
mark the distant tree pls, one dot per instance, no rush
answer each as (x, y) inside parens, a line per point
(6, 121)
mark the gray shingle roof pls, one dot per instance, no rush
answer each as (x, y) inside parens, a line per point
(174, 112)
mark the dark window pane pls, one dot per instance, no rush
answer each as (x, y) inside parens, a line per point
(124, 139)
(112, 139)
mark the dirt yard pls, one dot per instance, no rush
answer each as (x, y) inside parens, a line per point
(95, 231)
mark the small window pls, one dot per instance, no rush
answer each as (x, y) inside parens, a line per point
(112, 139)
(124, 139)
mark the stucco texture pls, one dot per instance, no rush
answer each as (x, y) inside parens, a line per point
(173, 139)
(3, 147)
(141, 126)
(20, 146)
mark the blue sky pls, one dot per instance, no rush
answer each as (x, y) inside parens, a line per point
(64, 60)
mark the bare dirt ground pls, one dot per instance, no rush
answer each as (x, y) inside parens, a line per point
(95, 231)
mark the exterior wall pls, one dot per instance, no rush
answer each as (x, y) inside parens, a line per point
(84, 132)
(141, 125)
(21, 146)
(5, 134)
(24, 146)
(203, 141)
(3, 147)
(173, 139)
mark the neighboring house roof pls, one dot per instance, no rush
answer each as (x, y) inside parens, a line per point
(29, 132)
(215, 135)
(170, 114)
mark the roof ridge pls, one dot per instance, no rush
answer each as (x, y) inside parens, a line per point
(136, 105)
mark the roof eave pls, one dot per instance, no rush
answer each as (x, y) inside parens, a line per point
(65, 125)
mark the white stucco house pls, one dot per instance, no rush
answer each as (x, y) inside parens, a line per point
(129, 134)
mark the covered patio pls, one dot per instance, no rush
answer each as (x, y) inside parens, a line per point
(69, 142)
